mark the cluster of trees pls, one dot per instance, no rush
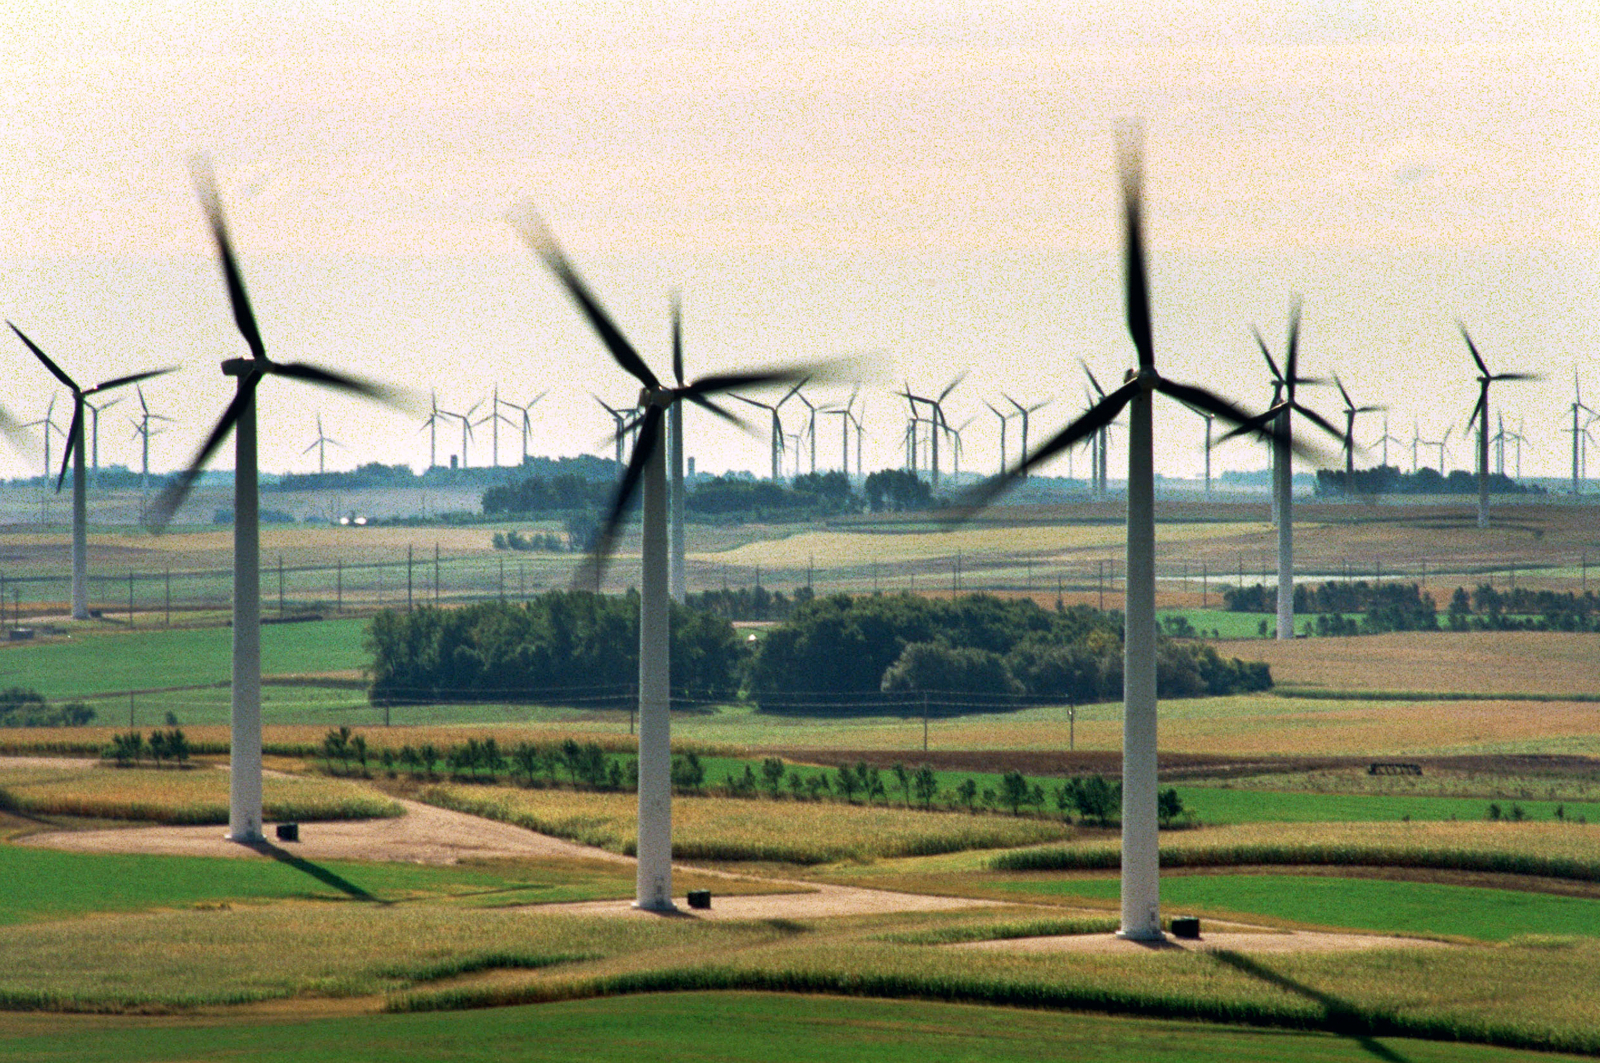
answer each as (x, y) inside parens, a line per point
(1388, 480)
(839, 654)
(537, 541)
(810, 495)
(127, 750)
(1384, 606)
(896, 490)
(1521, 609)
(26, 707)
(572, 644)
(748, 603)
(540, 495)
(1404, 607)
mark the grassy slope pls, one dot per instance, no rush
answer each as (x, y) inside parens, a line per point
(147, 660)
(1358, 904)
(723, 1028)
(44, 884)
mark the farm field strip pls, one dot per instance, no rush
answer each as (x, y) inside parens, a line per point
(1374, 905)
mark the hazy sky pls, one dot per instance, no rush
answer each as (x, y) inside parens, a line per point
(930, 181)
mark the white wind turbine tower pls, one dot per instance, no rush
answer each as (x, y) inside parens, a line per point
(320, 446)
(1384, 441)
(1141, 915)
(466, 426)
(49, 422)
(141, 428)
(1280, 416)
(845, 417)
(1350, 412)
(244, 749)
(432, 425)
(1480, 414)
(1577, 433)
(94, 434)
(74, 454)
(527, 419)
(1024, 412)
(647, 470)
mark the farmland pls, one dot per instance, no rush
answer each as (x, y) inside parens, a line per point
(1472, 881)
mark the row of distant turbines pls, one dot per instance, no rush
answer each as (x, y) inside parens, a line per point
(655, 470)
(927, 426)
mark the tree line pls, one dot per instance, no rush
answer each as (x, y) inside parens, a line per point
(1406, 607)
(834, 655)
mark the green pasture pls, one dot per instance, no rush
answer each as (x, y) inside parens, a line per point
(101, 662)
(715, 1028)
(1216, 805)
(1353, 903)
(45, 884)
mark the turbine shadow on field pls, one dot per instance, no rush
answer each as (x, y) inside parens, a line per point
(321, 874)
(1341, 1016)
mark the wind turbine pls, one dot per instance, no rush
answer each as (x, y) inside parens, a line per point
(647, 471)
(244, 750)
(432, 425)
(1023, 412)
(1480, 414)
(527, 419)
(1140, 867)
(1384, 441)
(1577, 404)
(845, 417)
(319, 445)
(74, 454)
(623, 420)
(778, 443)
(1350, 411)
(1003, 419)
(1280, 415)
(466, 426)
(1102, 469)
(94, 434)
(141, 428)
(49, 422)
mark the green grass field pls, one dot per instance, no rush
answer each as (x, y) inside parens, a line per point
(98, 662)
(721, 1028)
(1360, 904)
(45, 884)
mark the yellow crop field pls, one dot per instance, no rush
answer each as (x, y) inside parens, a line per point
(199, 795)
(722, 829)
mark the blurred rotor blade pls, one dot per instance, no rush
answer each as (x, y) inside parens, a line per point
(1348, 401)
(1317, 419)
(1473, 347)
(732, 418)
(173, 494)
(593, 567)
(537, 237)
(677, 339)
(133, 378)
(952, 385)
(1098, 390)
(721, 382)
(1254, 425)
(1516, 376)
(72, 439)
(1090, 422)
(1277, 376)
(12, 429)
(45, 358)
(1291, 357)
(1131, 165)
(205, 184)
(1477, 408)
(339, 381)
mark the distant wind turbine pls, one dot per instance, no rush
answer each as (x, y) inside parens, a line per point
(1480, 414)
(74, 454)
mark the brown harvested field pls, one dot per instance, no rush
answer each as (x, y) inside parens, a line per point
(1551, 664)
